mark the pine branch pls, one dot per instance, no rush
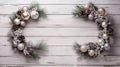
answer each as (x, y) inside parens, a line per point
(42, 13)
(77, 11)
(94, 6)
(40, 49)
(12, 17)
(76, 47)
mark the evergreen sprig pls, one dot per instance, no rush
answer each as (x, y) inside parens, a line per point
(93, 6)
(76, 47)
(78, 9)
(38, 50)
(13, 17)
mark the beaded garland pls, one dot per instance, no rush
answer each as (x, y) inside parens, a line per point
(105, 36)
(19, 20)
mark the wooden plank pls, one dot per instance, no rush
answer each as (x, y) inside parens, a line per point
(60, 41)
(44, 66)
(57, 45)
(54, 9)
(58, 21)
(114, 66)
(68, 66)
(60, 1)
(61, 32)
(53, 50)
(58, 60)
(57, 50)
(63, 41)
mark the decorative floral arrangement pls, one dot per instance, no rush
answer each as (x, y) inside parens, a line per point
(19, 20)
(105, 36)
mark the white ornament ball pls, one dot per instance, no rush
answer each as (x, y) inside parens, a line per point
(90, 17)
(104, 24)
(34, 15)
(25, 15)
(91, 52)
(17, 21)
(83, 48)
(21, 46)
(22, 23)
(87, 6)
(25, 8)
(105, 36)
(106, 46)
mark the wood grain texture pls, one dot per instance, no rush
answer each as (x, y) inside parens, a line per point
(60, 30)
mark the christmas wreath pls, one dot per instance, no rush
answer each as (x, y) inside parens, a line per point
(19, 20)
(105, 36)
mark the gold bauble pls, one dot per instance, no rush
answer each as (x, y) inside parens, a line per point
(91, 52)
(25, 15)
(101, 11)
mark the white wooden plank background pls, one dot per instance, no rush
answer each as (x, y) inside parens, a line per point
(59, 30)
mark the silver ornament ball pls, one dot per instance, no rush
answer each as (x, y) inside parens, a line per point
(16, 21)
(90, 17)
(34, 15)
(91, 52)
(106, 46)
(83, 48)
(22, 23)
(21, 46)
(25, 8)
